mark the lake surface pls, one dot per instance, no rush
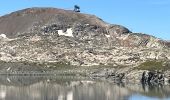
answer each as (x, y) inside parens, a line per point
(75, 88)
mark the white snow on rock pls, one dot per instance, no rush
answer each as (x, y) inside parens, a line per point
(3, 36)
(69, 32)
(107, 35)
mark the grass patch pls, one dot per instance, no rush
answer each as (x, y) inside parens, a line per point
(57, 65)
(154, 65)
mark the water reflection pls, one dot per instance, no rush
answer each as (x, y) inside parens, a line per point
(74, 88)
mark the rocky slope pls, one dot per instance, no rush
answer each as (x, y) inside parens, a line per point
(51, 35)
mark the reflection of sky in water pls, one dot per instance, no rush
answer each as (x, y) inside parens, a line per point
(32, 88)
(141, 97)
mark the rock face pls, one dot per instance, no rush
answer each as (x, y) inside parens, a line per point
(56, 35)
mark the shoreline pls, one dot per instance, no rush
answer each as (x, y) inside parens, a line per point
(107, 73)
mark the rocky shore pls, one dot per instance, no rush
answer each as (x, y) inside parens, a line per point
(126, 75)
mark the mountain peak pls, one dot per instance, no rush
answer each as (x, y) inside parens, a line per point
(37, 20)
(23, 20)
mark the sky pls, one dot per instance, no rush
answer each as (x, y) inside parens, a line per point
(139, 16)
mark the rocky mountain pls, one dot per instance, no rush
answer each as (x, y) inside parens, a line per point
(54, 35)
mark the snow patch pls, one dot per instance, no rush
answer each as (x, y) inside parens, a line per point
(3, 35)
(69, 32)
(107, 35)
(5, 38)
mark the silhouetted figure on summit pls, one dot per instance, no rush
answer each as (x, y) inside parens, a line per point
(76, 8)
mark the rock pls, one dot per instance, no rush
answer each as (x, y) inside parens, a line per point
(108, 74)
(118, 30)
(151, 77)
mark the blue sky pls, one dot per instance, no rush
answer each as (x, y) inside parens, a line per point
(146, 16)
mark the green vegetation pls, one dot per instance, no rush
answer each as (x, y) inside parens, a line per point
(154, 65)
(56, 65)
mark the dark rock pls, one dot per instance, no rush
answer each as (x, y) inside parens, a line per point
(152, 77)
(118, 30)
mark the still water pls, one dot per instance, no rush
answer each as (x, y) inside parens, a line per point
(75, 88)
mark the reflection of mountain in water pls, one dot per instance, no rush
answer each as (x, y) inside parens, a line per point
(156, 91)
(29, 80)
(68, 88)
(19, 80)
